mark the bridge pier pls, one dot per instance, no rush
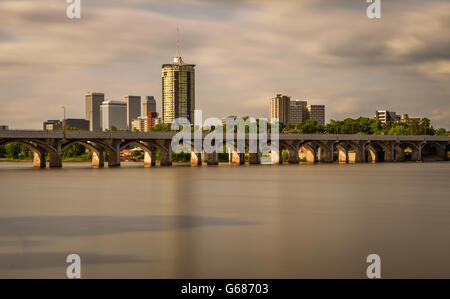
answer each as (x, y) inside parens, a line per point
(97, 159)
(293, 156)
(114, 156)
(39, 159)
(254, 158)
(237, 158)
(149, 158)
(275, 155)
(389, 153)
(196, 159)
(399, 153)
(343, 156)
(212, 159)
(166, 158)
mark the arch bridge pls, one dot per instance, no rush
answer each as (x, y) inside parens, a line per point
(309, 148)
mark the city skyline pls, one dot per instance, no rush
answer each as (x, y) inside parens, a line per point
(400, 64)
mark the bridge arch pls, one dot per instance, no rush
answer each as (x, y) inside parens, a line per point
(406, 151)
(149, 151)
(96, 150)
(433, 151)
(39, 159)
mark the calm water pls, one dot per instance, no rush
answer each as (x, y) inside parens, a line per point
(227, 221)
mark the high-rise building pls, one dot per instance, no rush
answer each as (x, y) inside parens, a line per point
(114, 114)
(93, 102)
(133, 108)
(386, 116)
(148, 105)
(316, 112)
(297, 112)
(178, 90)
(279, 108)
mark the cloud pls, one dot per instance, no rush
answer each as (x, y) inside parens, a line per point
(245, 52)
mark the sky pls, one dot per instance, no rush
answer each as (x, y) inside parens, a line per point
(246, 51)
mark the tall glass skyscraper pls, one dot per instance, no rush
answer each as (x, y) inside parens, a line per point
(178, 90)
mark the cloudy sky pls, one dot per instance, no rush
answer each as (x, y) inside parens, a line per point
(325, 51)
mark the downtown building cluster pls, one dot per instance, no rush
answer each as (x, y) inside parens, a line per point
(293, 112)
(134, 114)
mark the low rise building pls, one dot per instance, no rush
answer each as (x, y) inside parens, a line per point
(52, 125)
(140, 124)
(387, 116)
(3, 127)
(77, 123)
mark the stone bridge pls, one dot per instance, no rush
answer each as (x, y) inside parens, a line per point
(308, 148)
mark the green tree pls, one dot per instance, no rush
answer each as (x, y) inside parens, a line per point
(13, 150)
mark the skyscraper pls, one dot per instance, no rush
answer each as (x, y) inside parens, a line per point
(178, 90)
(114, 114)
(93, 102)
(148, 106)
(279, 108)
(317, 112)
(133, 108)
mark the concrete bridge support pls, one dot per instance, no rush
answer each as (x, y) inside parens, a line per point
(399, 153)
(275, 155)
(212, 159)
(237, 158)
(293, 156)
(97, 159)
(342, 155)
(39, 159)
(196, 159)
(55, 159)
(389, 153)
(149, 158)
(254, 158)
(417, 154)
(351, 157)
(114, 156)
(166, 158)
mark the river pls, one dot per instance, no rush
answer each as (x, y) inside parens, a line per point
(287, 221)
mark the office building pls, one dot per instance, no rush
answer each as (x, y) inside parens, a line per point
(140, 124)
(93, 102)
(387, 116)
(317, 113)
(152, 118)
(148, 106)
(279, 108)
(178, 90)
(133, 108)
(114, 114)
(77, 123)
(297, 112)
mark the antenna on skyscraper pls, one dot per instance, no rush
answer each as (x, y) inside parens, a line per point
(178, 42)
(177, 58)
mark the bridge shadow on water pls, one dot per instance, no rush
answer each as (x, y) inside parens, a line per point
(68, 226)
